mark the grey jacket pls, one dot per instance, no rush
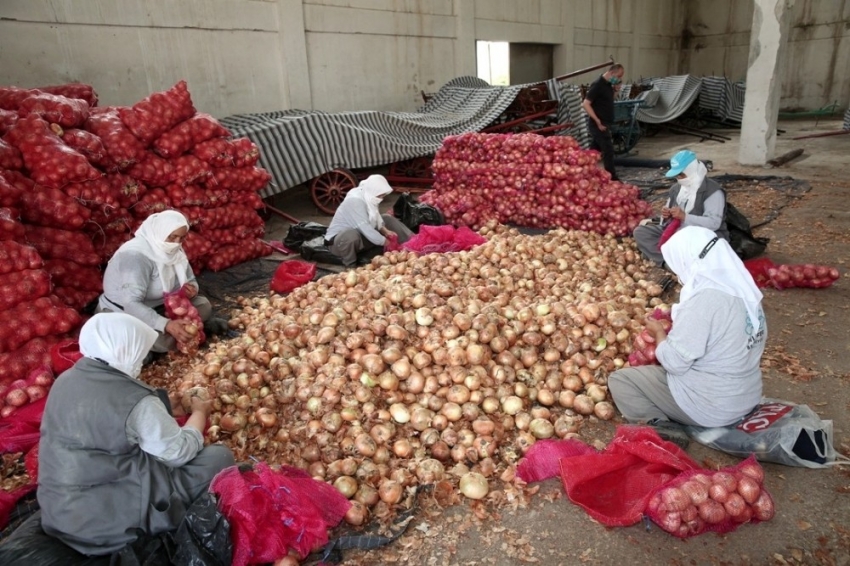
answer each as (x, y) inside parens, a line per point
(95, 487)
(708, 188)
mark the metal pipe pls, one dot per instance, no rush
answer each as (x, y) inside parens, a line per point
(586, 69)
(282, 214)
(823, 135)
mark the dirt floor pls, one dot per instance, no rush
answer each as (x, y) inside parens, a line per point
(807, 361)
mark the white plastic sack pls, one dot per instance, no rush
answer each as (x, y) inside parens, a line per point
(776, 431)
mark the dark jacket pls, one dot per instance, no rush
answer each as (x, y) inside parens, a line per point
(708, 188)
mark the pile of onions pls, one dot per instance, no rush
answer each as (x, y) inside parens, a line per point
(719, 501)
(530, 180)
(420, 369)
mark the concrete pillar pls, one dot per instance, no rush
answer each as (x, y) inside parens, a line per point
(465, 41)
(768, 39)
(295, 74)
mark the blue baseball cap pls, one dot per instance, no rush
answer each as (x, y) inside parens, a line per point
(679, 161)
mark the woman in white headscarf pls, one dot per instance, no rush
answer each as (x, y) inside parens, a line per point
(709, 374)
(113, 462)
(694, 200)
(358, 223)
(145, 268)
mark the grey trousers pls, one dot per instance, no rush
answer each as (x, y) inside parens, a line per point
(646, 238)
(349, 243)
(165, 342)
(642, 394)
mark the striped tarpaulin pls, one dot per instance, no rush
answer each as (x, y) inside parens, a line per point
(723, 98)
(847, 119)
(675, 96)
(570, 110)
(296, 146)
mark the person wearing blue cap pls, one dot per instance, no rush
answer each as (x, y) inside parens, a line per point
(599, 105)
(694, 200)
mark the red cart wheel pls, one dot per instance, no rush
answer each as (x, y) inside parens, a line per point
(329, 189)
(416, 168)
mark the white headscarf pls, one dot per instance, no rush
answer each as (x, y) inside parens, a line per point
(120, 340)
(696, 172)
(372, 190)
(719, 269)
(170, 259)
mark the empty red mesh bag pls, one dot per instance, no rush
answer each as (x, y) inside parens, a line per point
(614, 486)
(441, 239)
(271, 512)
(292, 274)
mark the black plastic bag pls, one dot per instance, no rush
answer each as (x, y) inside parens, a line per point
(741, 236)
(413, 213)
(303, 232)
(316, 251)
(203, 537)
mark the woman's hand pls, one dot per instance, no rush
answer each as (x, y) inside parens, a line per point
(201, 406)
(177, 409)
(657, 330)
(177, 329)
(674, 212)
(190, 290)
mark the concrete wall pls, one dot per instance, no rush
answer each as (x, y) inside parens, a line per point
(817, 62)
(260, 55)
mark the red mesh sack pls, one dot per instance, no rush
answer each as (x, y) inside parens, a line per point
(227, 236)
(64, 354)
(189, 195)
(179, 307)
(151, 117)
(215, 152)
(30, 356)
(66, 273)
(699, 501)
(23, 398)
(44, 206)
(95, 193)
(217, 197)
(88, 145)
(196, 247)
(758, 269)
(250, 199)
(229, 216)
(10, 226)
(271, 512)
(245, 152)
(441, 239)
(153, 170)
(391, 243)
(8, 119)
(21, 286)
(62, 244)
(668, 232)
(186, 135)
(614, 485)
(189, 170)
(56, 109)
(121, 145)
(643, 345)
(543, 459)
(292, 274)
(154, 200)
(240, 178)
(77, 299)
(10, 193)
(73, 90)
(107, 243)
(108, 219)
(15, 256)
(127, 190)
(10, 156)
(44, 316)
(12, 96)
(50, 162)
(228, 256)
(802, 275)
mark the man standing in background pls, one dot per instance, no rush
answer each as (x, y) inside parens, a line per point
(599, 105)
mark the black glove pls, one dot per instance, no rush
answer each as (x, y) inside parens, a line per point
(216, 326)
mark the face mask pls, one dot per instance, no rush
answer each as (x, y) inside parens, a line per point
(170, 247)
(614, 80)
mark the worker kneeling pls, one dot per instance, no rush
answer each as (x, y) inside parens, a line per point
(695, 200)
(358, 224)
(113, 463)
